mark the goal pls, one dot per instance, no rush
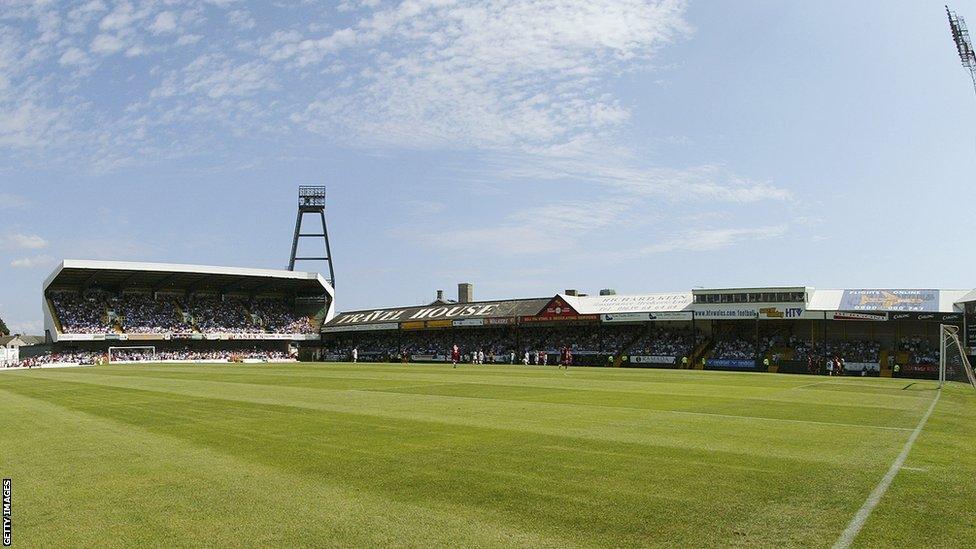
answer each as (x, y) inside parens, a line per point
(953, 364)
(132, 354)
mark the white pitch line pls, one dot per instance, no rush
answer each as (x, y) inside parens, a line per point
(808, 385)
(847, 537)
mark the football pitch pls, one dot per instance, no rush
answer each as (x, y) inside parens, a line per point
(424, 455)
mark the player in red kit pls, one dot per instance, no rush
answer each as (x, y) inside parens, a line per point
(455, 355)
(566, 357)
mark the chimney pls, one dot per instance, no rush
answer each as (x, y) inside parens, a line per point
(608, 291)
(440, 295)
(571, 292)
(465, 292)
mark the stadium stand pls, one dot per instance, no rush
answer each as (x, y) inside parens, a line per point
(789, 329)
(98, 300)
(94, 310)
(102, 312)
(208, 313)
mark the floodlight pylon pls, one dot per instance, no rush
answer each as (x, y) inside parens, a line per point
(964, 45)
(311, 200)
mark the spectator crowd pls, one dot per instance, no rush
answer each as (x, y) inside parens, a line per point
(506, 345)
(85, 358)
(100, 312)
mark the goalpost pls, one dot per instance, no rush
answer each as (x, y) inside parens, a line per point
(953, 363)
(149, 349)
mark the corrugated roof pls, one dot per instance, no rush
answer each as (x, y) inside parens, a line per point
(72, 273)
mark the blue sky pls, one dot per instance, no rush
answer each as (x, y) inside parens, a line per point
(525, 146)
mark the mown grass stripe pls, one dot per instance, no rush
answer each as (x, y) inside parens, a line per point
(862, 515)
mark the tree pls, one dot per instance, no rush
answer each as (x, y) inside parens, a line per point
(3, 328)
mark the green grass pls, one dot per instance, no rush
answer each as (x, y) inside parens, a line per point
(340, 455)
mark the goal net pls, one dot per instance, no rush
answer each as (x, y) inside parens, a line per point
(132, 354)
(953, 364)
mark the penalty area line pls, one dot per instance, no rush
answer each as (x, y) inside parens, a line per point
(847, 537)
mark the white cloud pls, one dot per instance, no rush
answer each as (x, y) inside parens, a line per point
(106, 44)
(188, 39)
(29, 125)
(217, 76)
(545, 228)
(32, 262)
(122, 17)
(21, 241)
(526, 85)
(73, 56)
(241, 19)
(483, 74)
(164, 23)
(618, 167)
(703, 240)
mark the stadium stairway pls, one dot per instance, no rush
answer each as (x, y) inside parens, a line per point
(625, 350)
(318, 319)
(54, 315)
(885, 370)
(700, 352)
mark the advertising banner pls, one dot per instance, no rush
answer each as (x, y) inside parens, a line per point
(768, 312)
(270, 337)
(499, 321)
(677, 315)
(454, 311)
(643, 359)
(890, 300)
(415, 325)
(147, 337)
(428, 358)
(927, 317)
(361, 327)
(470, 322)
(627, 317)
(861, 366)
(81, 337)
(920, 370)
(731, 363)
(726, 313)
(781, 312)
(440, 323)
(860, 316)
(560, 318)
(632, 303)
(645, 317)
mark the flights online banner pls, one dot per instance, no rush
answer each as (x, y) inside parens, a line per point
(890, 300)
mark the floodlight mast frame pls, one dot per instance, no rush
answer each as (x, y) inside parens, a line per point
(964, 45)
(311, 200)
